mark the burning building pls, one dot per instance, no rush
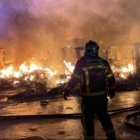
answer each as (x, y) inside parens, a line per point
(122, 61)
(35, 34)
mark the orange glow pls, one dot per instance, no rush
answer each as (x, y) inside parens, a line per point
(124, 71)
(28, 73)
(33, 71)
(69, 66)
(129, 68)
(7, 72)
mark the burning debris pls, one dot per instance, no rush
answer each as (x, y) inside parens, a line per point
(123, 72)
(25, 73)
(42, 82)
(124, 65)
(33, 73)
(35, 25)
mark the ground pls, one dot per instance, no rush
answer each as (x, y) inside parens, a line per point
(70, 129)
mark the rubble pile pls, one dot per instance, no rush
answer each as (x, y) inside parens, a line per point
(33, 91)
(37, 83)
(42, 83)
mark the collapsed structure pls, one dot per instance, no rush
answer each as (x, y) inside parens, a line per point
(41, 80)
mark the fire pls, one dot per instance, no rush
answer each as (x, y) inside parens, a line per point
(7, 72)
(35, 72)
(34, 67)
(23, 68)
(123, 76)
(59, 81)
(50, 72)
(27, 72)
(69, 66)
(124, 71)
(28, 69)
(17, 74)
(128, 69)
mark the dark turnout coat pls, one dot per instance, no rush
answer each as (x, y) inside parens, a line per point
(94, 75)
(97, 80)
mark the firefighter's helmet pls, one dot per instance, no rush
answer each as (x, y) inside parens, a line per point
(91, 48)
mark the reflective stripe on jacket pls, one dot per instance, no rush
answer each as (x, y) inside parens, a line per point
(94, 75)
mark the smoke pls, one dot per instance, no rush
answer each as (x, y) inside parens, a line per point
(39, 29)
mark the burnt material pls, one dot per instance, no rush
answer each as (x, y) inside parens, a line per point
(39, 92)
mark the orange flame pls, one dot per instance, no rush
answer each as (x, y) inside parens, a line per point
(28, 72)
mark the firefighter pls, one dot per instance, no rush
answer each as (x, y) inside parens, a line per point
(97, 82)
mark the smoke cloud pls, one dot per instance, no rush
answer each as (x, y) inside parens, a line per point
(40, 28)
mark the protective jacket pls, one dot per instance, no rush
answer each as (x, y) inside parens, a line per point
(97, 80)
(94, 75)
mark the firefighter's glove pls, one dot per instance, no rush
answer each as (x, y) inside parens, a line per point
(66, 92)
(111, 94)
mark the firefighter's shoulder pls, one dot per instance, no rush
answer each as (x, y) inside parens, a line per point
(103, 61)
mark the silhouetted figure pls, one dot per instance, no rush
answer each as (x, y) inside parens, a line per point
(97, 82)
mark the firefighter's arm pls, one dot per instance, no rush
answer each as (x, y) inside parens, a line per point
(110, 81)
(74, 80)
